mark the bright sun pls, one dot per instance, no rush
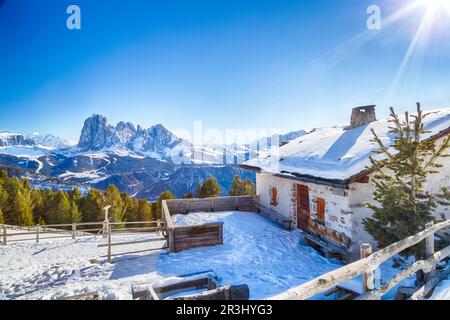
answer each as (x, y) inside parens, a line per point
(435, 4)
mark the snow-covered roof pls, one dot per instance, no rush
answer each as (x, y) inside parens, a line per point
(336, 153)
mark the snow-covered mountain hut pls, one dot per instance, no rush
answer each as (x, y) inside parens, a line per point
(320, 182)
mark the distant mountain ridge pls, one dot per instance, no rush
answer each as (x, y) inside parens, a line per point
(160, 143)
(32, 140)
(137, 160)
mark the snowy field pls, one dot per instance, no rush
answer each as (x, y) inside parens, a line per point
(256, 252)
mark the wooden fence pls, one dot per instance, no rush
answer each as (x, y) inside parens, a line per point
(43, 232)
(209, 234)
(157, 230)
(240, 203)
(370, 262)
(177, 237)
(88, 229)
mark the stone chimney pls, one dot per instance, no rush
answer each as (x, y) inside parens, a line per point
(362, 116)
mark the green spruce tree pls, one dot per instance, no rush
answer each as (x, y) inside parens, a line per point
(210, 188)
(3, 203)
(22, 209)
(75, 214)
(59, 209)
(241, 187)
(91, 207)
(144, 211)
(188, 195)
(403, 206)
(114, 199)
(198, 189)
(38, 204)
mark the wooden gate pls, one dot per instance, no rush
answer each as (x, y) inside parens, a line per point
(303, 210)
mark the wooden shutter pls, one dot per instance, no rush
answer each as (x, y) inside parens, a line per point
(274, 196)
(321, 209)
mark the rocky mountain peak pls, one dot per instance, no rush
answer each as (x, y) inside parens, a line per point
(125, 130)
(97, 133)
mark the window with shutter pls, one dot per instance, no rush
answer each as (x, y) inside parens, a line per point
(274, 196)
(321, 210)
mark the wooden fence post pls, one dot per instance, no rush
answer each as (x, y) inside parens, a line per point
(368, 281)
(221, 233)
(74, 230)
(37, 233)
(106, 222)
(172, 245)
(109, 244)
(5, 236)
(429, 252)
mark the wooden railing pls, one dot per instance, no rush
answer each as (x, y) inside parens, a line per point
(157, 229)
(370, 262)
(39, 232)
(86, 229)
(216, 204)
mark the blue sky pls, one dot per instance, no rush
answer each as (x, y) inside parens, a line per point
(230, 63)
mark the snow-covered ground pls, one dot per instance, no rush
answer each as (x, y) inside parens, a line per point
(27, 153)
(442, 291)
(256, 252)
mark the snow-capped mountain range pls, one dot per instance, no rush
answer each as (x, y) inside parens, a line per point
(142, 162)
(155, 142)
(44, 141)
(160, 143)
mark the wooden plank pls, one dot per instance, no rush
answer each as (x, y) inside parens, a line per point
(429, 252)
(210, 235)
(109, 244)
(5, 236)
(196, 232)
(209, 238)
(147, 229)
(131, 242)
(172, 243)
(428, 288)
(368, 281)
(238, 292)
(425, 265)
(202, 235)
(213, 204)
(329, 233)
(166, 214)
(135, 222)
(182, 285)
(195, 244)
(221, 234)
(198, 226)
(350, 271)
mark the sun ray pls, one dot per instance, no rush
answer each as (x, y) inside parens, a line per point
(420, 38)
(345, 49)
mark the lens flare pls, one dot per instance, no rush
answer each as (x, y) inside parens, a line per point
(435, 4)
